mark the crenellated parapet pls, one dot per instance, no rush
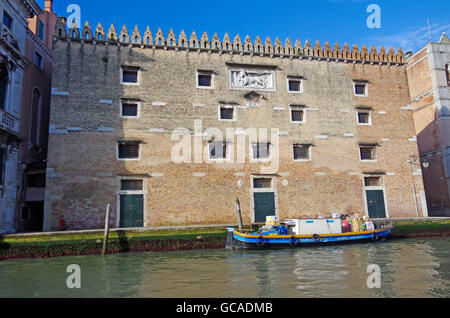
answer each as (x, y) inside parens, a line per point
(237, 46)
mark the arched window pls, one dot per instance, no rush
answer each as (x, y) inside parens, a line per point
(35, 117)
(447, 73)
(4, 79)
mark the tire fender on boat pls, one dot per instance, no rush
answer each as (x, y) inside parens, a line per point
(258, 243)
(317, 237)
(374, 236)
(293, 241)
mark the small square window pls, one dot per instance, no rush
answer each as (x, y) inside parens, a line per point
(130, 75)
(129, 150)
(204, 80)
(360, 89)
(261, 150)
(297, 115)
(226, 113)
(301, 152)
(262, 183)
(131, 185)
(217, 150)
(7, 20)
(364, 117)
(129, 110)
(367, 152)
(294, 85)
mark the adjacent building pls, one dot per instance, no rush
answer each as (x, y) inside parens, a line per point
(429, 80)
(34, 120)
(13, 33)
(171, 130)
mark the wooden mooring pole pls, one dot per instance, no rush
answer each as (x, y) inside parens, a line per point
(106, 234)
(238, 212)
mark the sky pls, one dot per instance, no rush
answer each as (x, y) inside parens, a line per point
(404, 23)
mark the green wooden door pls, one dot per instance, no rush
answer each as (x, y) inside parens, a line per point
(132, 210)
(375, 204)
(264, 203)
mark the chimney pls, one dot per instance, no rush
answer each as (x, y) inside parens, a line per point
(49, 5)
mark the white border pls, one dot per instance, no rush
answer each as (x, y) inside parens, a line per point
(294, 79)
(124, 101)
(368, 160)
(204, 73)
(130, 84)
(303, 109)
(227, 106)
(363, 111)
(366, 93)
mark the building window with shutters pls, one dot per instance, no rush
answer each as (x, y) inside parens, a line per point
(2, 165)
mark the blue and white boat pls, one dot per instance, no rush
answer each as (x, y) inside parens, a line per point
(303, 232)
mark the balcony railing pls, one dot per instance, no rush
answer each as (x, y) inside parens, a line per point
(8, 121)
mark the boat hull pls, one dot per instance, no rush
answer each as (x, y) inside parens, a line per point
(251, 241)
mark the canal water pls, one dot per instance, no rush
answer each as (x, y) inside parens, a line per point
(408, 268)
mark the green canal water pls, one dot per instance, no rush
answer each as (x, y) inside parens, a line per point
(409, 268)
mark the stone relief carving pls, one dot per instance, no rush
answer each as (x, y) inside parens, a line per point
(252, 80)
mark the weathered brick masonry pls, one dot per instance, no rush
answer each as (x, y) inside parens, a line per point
(84, 173)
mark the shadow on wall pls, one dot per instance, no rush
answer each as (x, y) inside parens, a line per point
(435, 184)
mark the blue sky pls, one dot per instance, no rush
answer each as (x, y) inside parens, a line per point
(403, 22)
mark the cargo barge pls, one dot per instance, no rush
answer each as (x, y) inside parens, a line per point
(306, 232)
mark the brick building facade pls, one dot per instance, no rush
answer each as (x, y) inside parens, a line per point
(155, 125)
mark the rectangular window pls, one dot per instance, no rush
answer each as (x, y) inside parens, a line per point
(217, 150)
(262, 183)
(129, 110)
(226, 113)
(367, 152)
(364, 117)
(301, 152)
(130, 75)
(131, 185)
(7, 20)
(297, 115)
(261, 150)
(41, 31)
(204, 80)
(372, 181)
(294, 85)
(360, 89)
(129, 150)
(37, 59)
